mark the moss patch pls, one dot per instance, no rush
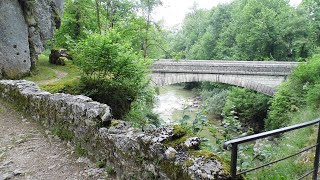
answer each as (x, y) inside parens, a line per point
(178, 131)
(173, 171)
(180, 135)
(114, 123)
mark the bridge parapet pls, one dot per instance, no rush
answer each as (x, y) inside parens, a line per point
(270, 68)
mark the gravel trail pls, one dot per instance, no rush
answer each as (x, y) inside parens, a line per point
(60, 75)
(28, 151)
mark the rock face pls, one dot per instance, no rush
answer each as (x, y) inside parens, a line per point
(14, 45)
(157, 154)
(25, 26)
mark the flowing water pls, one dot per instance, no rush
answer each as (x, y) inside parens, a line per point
(173, 102)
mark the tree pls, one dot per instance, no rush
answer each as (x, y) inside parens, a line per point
(78, 20)
(312, 8)
(248, 30)
(147, 7)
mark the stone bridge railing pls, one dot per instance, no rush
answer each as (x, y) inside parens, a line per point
(164, 153)
(261, 76)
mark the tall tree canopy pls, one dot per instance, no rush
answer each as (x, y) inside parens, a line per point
(250, 30)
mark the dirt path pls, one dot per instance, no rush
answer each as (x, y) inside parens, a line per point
(60, 75)
(27, 151)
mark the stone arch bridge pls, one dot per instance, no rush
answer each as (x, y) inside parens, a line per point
(260, 76)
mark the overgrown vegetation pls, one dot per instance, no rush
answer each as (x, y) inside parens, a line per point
(112, 72)
(302, 89)
(112, 41)
(249, 30)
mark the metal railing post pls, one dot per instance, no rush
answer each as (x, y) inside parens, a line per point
(316, 156)
(234, 157)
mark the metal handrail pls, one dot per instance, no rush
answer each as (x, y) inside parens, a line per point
(235, 142)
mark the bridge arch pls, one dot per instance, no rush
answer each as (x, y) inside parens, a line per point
(162, 79)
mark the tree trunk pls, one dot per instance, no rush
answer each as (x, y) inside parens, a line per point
(145, 47)
(98, 15)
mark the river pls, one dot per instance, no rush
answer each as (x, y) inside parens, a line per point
(173, 102)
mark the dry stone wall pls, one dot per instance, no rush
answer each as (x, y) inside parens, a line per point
(158, 154)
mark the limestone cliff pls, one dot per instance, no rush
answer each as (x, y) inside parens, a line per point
(25, 26)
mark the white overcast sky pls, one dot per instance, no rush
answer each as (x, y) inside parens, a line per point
(173, 11)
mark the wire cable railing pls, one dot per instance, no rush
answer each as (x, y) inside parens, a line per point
(235, 142)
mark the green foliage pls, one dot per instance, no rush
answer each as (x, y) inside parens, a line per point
(313, 96)
(196, 125)
(80, 151)
(284, 102)
(63, 132)
(112, 72)
(250, 107)
(132, 20)
(312, 10)
(101, 164)
(249, 30)
(301, 89)
(78, 20)
(214, 101)
(141, 114)
(111, 171)
(291, 143)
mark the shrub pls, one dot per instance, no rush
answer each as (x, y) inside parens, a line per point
(112, 72)
(250, 107)
(302, 88)
(285, 101)
(214, 101)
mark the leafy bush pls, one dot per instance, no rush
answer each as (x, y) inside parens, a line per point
(286, 100)
(141, 113)
(250, 107)
(301, 89)
(214, 86)
(112, 72)
(214, 101)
